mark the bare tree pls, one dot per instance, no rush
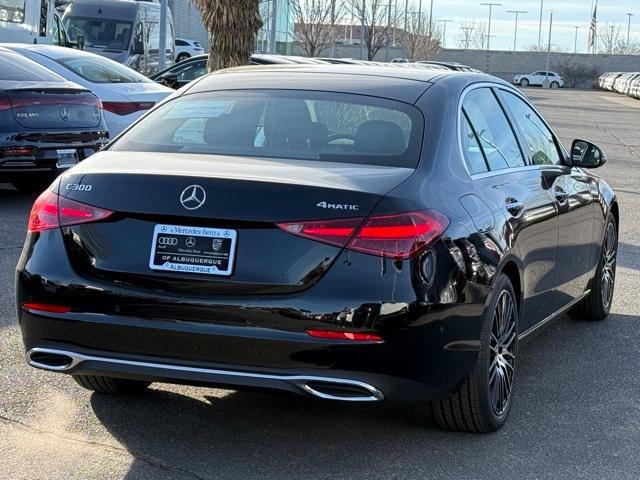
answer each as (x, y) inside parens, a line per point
(232, 26)
(577, 74)
(315, 23)
(465, 36)
(611, 40)
(421, 39)
(380, 21)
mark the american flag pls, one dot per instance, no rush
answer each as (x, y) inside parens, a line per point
(593, 26)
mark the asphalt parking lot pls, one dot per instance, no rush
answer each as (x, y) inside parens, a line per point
(576, 413)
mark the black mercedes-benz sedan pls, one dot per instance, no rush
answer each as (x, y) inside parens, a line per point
(47, 124)
(349, 233)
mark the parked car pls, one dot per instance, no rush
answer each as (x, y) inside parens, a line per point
(47, 124)
(186, 48)
(537, 79)
(125, 31)
(310, 237)
(31, 21)
(185, 72)
(125, 94)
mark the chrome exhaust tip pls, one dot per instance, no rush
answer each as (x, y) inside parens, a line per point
(343, 390)
(50, 359)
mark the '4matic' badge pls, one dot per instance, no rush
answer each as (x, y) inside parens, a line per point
(338, 206)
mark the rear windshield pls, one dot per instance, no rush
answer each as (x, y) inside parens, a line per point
(99, 32)
(102, 70)
(17, 68)
(290, 124)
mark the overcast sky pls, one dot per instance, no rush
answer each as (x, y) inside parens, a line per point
(567, 15)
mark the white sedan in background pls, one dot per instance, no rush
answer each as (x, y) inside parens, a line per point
(536, 79)
(125, 94)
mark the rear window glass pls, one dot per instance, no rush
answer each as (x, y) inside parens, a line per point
(301, 125)
(17, 68)
(102, 70)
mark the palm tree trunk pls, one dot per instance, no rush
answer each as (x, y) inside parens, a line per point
(233, 26)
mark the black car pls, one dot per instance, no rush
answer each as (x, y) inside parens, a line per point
(47, 124)
(349, 233)
(182, 73)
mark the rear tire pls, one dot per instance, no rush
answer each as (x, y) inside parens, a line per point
(524, 82)
(182, 57)
(597, 305)
(113, 386)
(484, 400)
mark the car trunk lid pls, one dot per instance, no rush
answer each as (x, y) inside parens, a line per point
(245, 197)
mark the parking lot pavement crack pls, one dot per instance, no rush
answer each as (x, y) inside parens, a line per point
(151, 461)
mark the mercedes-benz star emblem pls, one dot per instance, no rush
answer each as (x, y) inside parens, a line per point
(190, 242)
(193, 197)
(64, 113)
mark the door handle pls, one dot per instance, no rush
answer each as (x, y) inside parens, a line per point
(514, 207)
(561, 196)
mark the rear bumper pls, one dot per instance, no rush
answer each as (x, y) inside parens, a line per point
(42, 159)
(430, 339)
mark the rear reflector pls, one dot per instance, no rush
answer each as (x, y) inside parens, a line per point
(46, 307)
(126, 108)
(397, 236)
(51, 211)
(18, 152)
(338, 335)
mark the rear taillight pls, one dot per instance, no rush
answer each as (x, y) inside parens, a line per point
(46, 307)
(342, 335)
(397, 236)
(5, 104)
(52, 211)
(32, 100)
(126, 108)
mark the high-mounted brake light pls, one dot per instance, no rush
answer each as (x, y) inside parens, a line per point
(339, 335)
(52, 211)
(126, 108)
(398, 236)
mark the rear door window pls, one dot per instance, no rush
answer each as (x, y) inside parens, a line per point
(101, 70)
(492, 129)
(289, 124)
(18, 69)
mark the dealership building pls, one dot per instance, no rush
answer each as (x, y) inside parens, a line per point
(188, 24)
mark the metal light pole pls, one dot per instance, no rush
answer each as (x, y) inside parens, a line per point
(274, 23)
(515, 34)
(444, 31)
(431, 18)
(490, 5)
(162, 53)
(362, 14)
(386, 50)
(612, 27)
(575, 42)
(333, 28)
(540, 24)
(406, 33)
(467, 36)
(629, 30)
(546, 79)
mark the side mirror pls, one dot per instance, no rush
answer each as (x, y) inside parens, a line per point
(138, 48)
(587, 155)
(169, 79)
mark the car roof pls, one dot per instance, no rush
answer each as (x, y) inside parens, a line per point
(51, 51)
(397, 83)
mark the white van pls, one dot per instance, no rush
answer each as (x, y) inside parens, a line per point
(31, 21)
(123, 30)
